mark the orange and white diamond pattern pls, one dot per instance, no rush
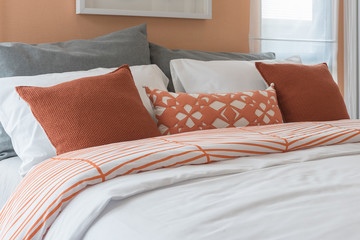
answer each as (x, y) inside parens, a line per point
(182, 112)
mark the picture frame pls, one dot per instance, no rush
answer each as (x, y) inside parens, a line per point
(195, 9)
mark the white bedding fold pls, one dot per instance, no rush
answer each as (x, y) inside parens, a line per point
(306, 194)
(9, 178)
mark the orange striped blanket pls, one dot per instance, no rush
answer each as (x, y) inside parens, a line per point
(44, 192)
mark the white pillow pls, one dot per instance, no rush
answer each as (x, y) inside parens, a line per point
(193, 76)
(28, 137)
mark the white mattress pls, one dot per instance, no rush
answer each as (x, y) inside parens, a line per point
(9, 178)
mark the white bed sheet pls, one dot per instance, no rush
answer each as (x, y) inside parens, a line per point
(9, 178)
(306, 194)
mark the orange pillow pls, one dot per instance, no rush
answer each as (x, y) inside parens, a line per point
(305, 93)
(182, 112)
(91, 111)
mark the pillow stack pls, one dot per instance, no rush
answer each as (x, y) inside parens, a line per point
(32, 128)
(128, 46)
(305, 93)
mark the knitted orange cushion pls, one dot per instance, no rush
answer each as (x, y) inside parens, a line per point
(305, 92)
(182, 112)
(91, 111)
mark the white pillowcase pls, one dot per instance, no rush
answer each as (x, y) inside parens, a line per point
(28, 137)
(193, 76)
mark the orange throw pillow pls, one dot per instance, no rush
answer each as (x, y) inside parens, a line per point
(91, 111)
(305, 93)
(182, 112)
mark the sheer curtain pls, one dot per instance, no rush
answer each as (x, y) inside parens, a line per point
(351, 56)
(307, 28)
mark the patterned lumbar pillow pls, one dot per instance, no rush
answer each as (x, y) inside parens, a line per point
(182, 112)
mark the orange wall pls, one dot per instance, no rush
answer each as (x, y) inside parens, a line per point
(55, 20)
(36, 21)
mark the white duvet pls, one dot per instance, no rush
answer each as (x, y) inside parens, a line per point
(305, 194)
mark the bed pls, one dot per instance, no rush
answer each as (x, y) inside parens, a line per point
(263, 167)
(308, 194)
(299, 173)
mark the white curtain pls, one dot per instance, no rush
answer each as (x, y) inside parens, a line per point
(351, 55)
(308, 28)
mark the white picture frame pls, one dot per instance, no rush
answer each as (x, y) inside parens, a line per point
(196, 9)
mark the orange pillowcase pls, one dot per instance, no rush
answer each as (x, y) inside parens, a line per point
(91, 111)
(305, 93)
(182, 112)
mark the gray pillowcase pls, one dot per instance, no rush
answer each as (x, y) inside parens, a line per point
(6, 148)
(128, 46)
(162, 56)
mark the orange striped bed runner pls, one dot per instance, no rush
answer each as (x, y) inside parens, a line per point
(43, 193)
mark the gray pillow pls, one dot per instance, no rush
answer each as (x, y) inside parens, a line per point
(6, 149)
(129, 46)
(162, 56)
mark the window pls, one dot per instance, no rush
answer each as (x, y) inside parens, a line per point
(307, 28)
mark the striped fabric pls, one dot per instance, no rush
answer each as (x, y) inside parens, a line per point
(42, 194)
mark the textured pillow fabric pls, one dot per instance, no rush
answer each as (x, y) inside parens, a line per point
(128, 46)
(182, 112)
(305, 93)
(193, 76)
(91, 111)
(29, 139)
(162, 56)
